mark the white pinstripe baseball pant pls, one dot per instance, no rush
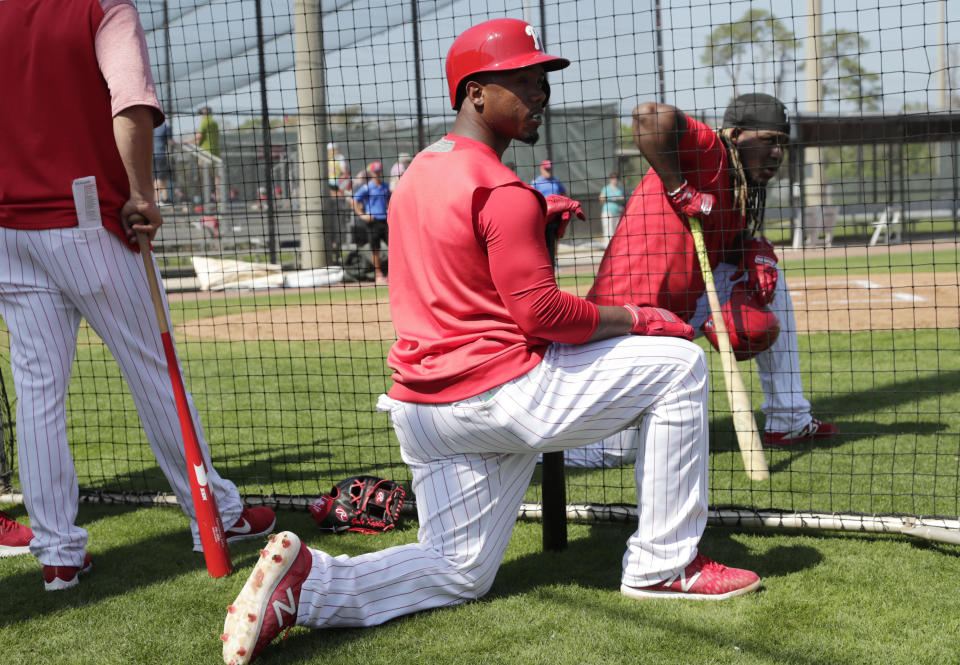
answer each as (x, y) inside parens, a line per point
(49, 280)
(472, 462)
(785, 407)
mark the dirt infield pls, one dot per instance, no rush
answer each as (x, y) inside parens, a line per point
(842, 303)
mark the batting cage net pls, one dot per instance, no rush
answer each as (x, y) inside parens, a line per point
(279, 113)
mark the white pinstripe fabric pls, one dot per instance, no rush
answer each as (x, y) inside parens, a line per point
(49, 281)
(785, 407)
(472, 461)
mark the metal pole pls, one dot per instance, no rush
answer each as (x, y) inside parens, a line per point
(547, 138)
(312, 130)
(552, 483)
(813, 156)
(415, 18)
(659, 37)
(167, 70)
(168, 102)
(267, 142)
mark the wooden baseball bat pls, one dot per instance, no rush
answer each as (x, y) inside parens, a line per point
(748, 436)
(212, 536)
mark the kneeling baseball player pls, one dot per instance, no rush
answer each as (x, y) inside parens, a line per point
(720, 177)
(494, 365)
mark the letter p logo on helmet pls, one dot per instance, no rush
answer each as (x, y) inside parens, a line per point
(501, 44)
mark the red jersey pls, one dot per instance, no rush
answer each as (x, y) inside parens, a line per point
(69, 67)
(651, 259)
(473, 296)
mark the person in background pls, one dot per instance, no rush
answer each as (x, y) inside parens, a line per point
(207, 139)
(162, 138)
(403, 161)
(546, 183)
(612, 198)
(370, 203)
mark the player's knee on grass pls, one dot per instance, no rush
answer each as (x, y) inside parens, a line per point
(752, 326)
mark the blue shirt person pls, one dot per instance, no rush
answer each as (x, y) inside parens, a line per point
(545, 183)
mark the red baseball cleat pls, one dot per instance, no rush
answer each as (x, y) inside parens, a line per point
(811, 431)
(268, 602)
(14, 537)
(252, 523)
(57, 578)
(702, 579)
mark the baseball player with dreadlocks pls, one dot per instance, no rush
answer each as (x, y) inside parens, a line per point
(719, 176)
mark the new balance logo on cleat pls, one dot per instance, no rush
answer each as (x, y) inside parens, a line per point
(290, 608)
(702, 579)
(685, 584)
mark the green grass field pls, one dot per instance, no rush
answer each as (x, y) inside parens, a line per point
(292, 418)
(827, 598)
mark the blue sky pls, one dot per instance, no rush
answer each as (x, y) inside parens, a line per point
(368, 52)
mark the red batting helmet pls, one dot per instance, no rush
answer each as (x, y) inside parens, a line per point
(498, 45)
(752, 326)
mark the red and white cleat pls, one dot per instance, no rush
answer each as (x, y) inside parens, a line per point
(702, 579)
(811, 431)
(253, 523)
(14, 537)
(57, 578)
(269, 600)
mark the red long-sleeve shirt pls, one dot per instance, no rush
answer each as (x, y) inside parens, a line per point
(472, 292)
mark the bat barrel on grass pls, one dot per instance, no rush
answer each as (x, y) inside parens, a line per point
(212, 536)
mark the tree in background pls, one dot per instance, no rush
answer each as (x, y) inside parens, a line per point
(758, 41)
(843, 76)
(845, 80)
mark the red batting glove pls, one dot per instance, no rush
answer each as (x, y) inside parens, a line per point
(559, 209)
(657, 321)
(689, 201)
(760, 263)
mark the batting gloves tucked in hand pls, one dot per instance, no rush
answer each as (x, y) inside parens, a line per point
(657, 321)
(689, 201)
(559, 209)
(760, 264)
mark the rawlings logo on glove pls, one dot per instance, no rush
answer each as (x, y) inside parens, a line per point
(365, 504)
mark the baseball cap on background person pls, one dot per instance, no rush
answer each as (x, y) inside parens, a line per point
(546, 164)
(501, 44)
(375, 167)
(757, 111)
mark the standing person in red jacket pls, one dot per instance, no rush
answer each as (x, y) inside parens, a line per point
(493, 365)
(720, 177)
(77, 164)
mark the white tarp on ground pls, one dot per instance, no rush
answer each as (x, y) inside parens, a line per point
(316, 277)
(221, 274)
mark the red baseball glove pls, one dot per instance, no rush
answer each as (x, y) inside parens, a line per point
(365, 504)
(760, 263)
